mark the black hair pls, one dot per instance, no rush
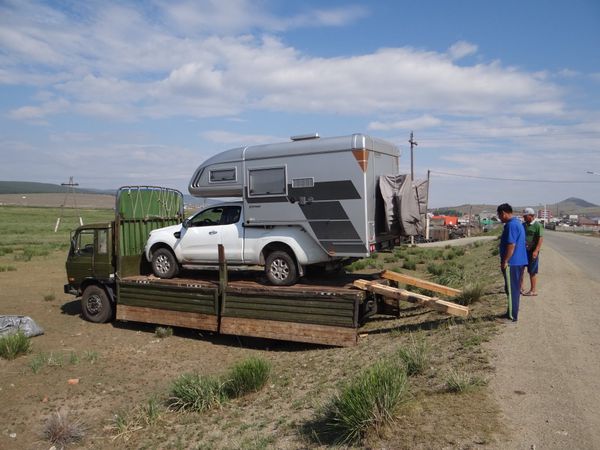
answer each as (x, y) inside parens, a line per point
(505, 207)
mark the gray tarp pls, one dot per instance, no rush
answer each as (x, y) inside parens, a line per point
(13, 324)
(402, 201)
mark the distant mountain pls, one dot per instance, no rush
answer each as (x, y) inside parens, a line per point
(30, 187)
(578, 202)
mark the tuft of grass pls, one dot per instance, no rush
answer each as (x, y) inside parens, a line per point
(435, 269)
(409, 264)
(461, 382)
(470, 294)
(90, 356)
(7, 268)
(415, 356)
(61, 430)
(49, 297)
(5, 250)
(14, 345)
(37, 362)
(163, 332)
(367, 402)
(196, 392)
(74, 358)
(245, 377)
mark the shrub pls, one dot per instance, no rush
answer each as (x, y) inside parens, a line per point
(248, 376)
(196, 392)
(435, 269)
(462, 382)
(409, 264)
(5, 251)
(163, 332)
(14, 345)
(452, 275)
(470, 294)
(7, 268)
(415, 356)
(367, 402)
(61, 430)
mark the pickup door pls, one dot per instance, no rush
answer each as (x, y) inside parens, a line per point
(209, 228)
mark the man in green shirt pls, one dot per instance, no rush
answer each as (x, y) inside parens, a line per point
(534, 236)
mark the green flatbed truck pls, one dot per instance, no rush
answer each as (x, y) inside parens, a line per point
(107, 269)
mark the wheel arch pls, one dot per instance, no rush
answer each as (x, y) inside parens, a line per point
(108, 287)
(282, 246)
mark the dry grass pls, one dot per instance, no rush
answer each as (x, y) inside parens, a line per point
(60, 429)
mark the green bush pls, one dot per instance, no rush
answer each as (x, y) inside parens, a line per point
(435, 269)
(196, 393)
(14, 345)
(409, 264)
(367, 402)
(415, 356)
(163, 332)
(245, 377)
(470, 294)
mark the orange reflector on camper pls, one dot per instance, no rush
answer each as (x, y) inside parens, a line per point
(362, 158)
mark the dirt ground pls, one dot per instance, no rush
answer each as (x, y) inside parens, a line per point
(120, 366)
(547, 365)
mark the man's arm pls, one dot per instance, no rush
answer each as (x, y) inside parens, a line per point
(510, 249)
(536, 250)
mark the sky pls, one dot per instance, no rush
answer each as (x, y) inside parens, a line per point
(142, 92)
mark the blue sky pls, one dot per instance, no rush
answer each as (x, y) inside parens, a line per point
(116, 93)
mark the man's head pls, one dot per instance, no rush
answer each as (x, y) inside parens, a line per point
(505, 212)
(528, 215)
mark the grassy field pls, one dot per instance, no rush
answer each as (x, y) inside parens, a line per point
(127, 373)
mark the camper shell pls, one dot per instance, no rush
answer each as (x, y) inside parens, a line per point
(330, 187)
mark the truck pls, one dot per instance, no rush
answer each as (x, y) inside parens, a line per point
(107, 270)
(308, 202)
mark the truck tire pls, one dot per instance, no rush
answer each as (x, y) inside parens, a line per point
(164, 263)
(281, 269)
(95, 305)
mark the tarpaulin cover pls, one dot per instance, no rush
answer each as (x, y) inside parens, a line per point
(402, 204)
(13, 324)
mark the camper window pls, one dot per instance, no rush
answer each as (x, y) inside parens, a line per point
(222, 175)
(267, 181)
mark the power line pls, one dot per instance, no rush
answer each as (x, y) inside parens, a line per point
(528, 180)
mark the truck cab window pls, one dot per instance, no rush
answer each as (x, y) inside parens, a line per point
(84, 244)
(102, 242)
(207, 217)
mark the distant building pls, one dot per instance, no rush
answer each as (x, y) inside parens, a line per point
(444, 220)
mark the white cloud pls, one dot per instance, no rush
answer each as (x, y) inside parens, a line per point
(425, 121)
(237, 139)
(461, 49)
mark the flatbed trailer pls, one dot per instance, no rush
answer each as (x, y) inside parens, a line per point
(317, 314)
(107, 269)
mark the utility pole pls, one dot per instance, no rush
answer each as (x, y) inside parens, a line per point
(70, 191)
(412, 143)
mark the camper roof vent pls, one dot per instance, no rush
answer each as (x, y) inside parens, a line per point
(303, 137)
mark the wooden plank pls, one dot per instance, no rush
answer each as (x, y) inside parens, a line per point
(402, 294)
(166, 317)
(288, 331)
(413, 281)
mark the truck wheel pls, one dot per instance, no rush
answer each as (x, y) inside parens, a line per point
(164, 263)
(95, 305)
(281, 269)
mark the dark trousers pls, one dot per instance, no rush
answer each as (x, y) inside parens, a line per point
(512, 287)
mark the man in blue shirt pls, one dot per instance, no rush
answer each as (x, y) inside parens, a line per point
(513, 257)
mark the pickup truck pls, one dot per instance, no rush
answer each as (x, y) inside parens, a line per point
(285, 251)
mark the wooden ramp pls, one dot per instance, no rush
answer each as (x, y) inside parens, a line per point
(424, 284)
(392, 296)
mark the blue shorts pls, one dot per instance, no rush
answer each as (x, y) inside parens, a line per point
(533, 264)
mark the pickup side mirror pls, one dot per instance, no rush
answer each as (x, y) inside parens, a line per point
(186, 223)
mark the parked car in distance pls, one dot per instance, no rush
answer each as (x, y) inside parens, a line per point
(284, 250)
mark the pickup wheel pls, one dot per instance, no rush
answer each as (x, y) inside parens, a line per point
(164, 263)
(95, 305)
(281, 269)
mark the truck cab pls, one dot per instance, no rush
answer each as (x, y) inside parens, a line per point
(91, 270)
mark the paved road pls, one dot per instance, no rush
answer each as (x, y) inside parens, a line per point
(583, 251)
(548, 363)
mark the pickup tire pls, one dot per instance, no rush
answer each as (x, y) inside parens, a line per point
(280, 268)
(164, 263)
(95, 305)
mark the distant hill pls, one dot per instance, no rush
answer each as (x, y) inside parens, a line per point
(30, 187)
(576, 202)
(571, 205)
